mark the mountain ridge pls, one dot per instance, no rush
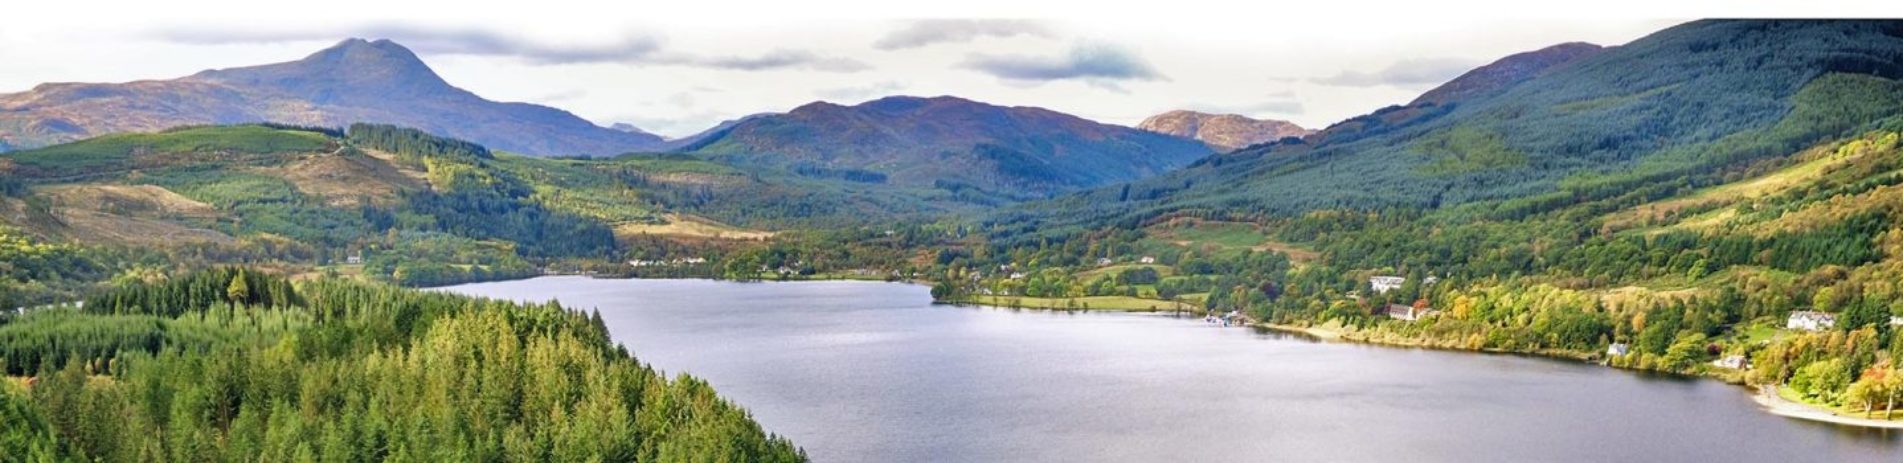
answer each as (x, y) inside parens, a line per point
(945, 140)
(355, 80)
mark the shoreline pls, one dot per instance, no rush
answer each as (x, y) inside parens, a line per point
(1765, 396)
(1769, 401)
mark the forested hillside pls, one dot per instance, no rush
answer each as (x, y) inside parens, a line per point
(230, 365)
(1675, 110)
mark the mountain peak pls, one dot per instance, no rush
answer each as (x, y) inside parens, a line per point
(1223, 131)
(383, 50)
(352, 66)
(355, 80)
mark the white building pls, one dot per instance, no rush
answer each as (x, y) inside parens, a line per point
(1735, 362)
(1896, 321)
(1147, 260)
(1017, 276)
(1103, 261)
(1811, 320)
(1618, 349)
(1383, 284)
(1406, 312)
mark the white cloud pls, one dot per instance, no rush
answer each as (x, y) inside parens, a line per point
(859, 93)
(1406, 73)
(1100, 63)
(934, 31)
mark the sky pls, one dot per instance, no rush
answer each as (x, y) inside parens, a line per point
(679, 67)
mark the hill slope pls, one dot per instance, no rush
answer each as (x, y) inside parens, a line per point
(354, 81)
(1671, 110)
(951, 143)
(1506, 72)
(1225, 132)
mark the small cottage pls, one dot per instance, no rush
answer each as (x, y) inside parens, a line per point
(1734, 362)
(1618, 349)
(1147, 260)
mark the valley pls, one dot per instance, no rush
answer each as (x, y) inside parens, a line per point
(1652, 233)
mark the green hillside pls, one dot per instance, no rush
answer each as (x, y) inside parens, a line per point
(417, 209)
(1681, 108)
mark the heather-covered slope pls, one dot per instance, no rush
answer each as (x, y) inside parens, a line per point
(950, 143)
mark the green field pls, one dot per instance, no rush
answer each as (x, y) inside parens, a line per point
(115, 151)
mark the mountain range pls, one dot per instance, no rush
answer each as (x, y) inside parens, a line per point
(944, 142)
(354, 81)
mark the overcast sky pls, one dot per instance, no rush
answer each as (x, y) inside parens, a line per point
(675, 69)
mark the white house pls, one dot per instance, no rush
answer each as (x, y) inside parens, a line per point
(1147, 260)
(1896, 321)
(1618, 349)
(1810, 320)
(1383, 284)
(1406, 312)
(1103, 261)
(354, 258)
(1735, 362)
(1017, 276)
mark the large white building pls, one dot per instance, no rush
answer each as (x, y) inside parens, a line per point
(1383, 284)
(1811, 320)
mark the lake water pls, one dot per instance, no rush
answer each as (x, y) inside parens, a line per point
(873, 372)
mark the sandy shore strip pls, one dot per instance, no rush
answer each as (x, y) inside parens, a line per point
(1768, 398)
(1313, 331)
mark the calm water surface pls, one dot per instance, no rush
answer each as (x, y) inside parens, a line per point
(873, 372)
